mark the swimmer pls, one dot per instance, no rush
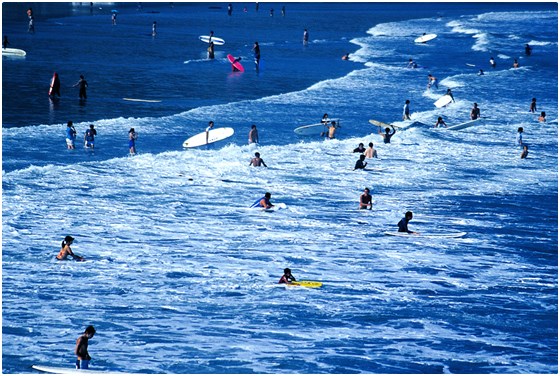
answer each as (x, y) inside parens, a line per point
(440, 122)
(365, 200)
(542, 118)
(370, 152)
(287, 277)
(257, 161)
(525, 152)
(66, 251)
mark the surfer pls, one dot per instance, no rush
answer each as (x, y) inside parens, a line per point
(332, 129)
(412, 64)
(233, 67)
(525, 152)
(450, 94)
(229, 9)
(210, 126)
(89, 137)
(66, 251)
(440, 122)
(403, 224)
(253, 135)
(55, 86)
(132, 137)
(406, 110)
(365, 200)
(515, 63)
(210, 50)
(257, 51)
(154, 27)
(519, 138)
(114, 18)
(528, 49)
(475, 112)
(325, 119)
(492, 62)
(82, 83)
(542, 118)
(481, 72)
(305, 37)
(287, 277)
(5, 42)
(31, 27)
(346, 56)
(371, 152)
(533, 107)
(81, 350)
(387, 136)
(432, 81)
(360, 148)
(257, 161)
(263, 202)
(360, 164)
(70, 135)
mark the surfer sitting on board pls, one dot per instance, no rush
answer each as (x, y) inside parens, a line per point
(287, 277)
(257, 161)
(263, 202)
(66, 251)
(403, 224)
(365, 200)
(360, 164)
(81, 350)
(387, 136)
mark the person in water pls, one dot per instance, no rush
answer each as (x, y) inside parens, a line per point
(66, 251)
(253, 135)
(387, 136)
(81, 349)
(211, 50)
(515, 63)
(89, 137)
(528, 49)
(440, 122)
(525, 152)
(371, 152)
(406, 110)
(233, 67)
(305, 36)
(475, 112)
(287, 277)
(325, 119)
(132, 137)
(412, 64)
(257, 51)
(263, 202)
(542, 118)
(519, 138)
(360, 148)
(257, 161)
(403, 224)
(365, 200)
(481, 72)
(450, 94)
(432, 81)
(332, 129)
(533, 107)
(154, 29)
(5, 42)
(360, 164)
(82, 83)
(210, 126)
(346, 56)
(55, 86)
(70, 135)
(492, 62)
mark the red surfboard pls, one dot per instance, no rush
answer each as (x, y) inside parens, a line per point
(236, 64)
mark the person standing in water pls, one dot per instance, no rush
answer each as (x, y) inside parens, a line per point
(370, 152)
(257, 51)
(5, 42)
(525, 152)
(519, 138)
(387, 136)
(365, 200)
(492, 62)
(210, 126)
(81, 349)
(253, 135)
(542, 118)
(432, 81)
(440, 122)
(211, 50)
(533, 107)
(154, 29)
(89, 137)
(55, 86)
(66, 251)
(82, 83)
(406, 110)
(528, 49)
(132, 137)
(31, 27)
(70, 135)
(475, 112)
(305, 37)
(257, 161)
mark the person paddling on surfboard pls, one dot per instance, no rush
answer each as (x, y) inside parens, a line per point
(403, 224)
(81, 350)
(264, 202)
(287, 277)
(66, 251)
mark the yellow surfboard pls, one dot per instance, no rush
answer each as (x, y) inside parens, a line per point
(309, 284)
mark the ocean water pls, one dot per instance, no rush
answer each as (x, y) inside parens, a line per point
(181, 276)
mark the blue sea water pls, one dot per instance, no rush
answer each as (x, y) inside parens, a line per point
(181, 276)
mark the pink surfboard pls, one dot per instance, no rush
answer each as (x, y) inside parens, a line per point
(236, 64)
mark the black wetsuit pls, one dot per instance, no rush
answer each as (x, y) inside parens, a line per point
(403, 226)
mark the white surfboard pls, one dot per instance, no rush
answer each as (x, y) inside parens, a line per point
(13, 52)
(65, 370)
(466, 124)
(276, 207)
(142, 100)
(424, 38)
(428, 235)
(214, 135)
(217, 41)
(313, 129)
(443, 101)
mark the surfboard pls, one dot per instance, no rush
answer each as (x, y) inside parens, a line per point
(385, 125)
(142, 100)
(214, 135)
(276, 207)
(313, 129)
(65, 370)
(13, 52)
(428, 235)
(236, 64)
(424, 38)
(308, 284)
(443, 101)
(217, 41)
(466, 124)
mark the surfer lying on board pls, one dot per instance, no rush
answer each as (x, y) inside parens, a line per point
(263, 202)
(403, 224)
(66, 251)
(365, 200)
(81, 350)
(387, 136)
(287, 277)
(257, 161)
